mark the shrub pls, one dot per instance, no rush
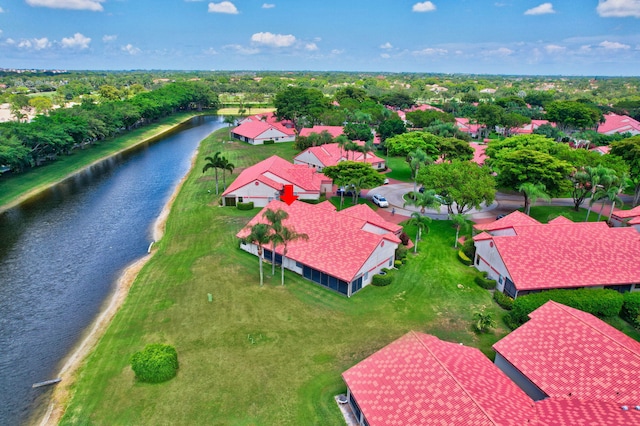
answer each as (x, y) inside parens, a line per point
(463, 258)
(155, 363)
(469, 249)
(401, 253)
(269, 142)
(483, 322)
(245, 206)
(630, 311)
(504, 301)
(404, 238)
(381, 280)
(599, 302)
(485, 283)
(397, 263)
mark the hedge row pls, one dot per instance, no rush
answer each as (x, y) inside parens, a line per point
(245, 206)
(485, 283)
(463, 258)
(599, 302)
(503, 300)
(630, 311)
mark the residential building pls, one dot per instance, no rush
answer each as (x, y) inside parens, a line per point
(344, 249)
(257, 129)
(525, 256)
(334, 131)
(331, 154)
(614, 123)
(264, 182)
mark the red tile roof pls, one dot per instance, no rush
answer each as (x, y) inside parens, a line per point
(509, 221)
(253, 129)
(574, 412)
(479, 156)
(298, 175)
(614, 123)
(627, 213)
(570, 255)
(568, 353)
(337, 244)
(331, 154)
(362, 211)
(421, 380)
(334, 131)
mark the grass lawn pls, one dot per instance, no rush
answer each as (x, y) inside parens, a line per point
(260, 355)
(13, 188)
(400, 169)
(545, 213)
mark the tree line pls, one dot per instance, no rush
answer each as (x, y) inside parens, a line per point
(25, 145)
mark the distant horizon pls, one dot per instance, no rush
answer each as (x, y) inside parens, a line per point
(479, 37)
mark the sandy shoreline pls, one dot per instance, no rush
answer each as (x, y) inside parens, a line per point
(62, 392)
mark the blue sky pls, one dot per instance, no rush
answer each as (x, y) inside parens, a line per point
(565, 37)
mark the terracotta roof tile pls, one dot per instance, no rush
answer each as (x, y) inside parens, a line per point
(568, 353)
(337, 243)
(509, 221)
(627, 213)
(298, 175)
(253, 129)
(421, 380)
(570, 255)
(334, 131)
(575, 412)
(331, 154)
(363, 211)
(614, 123)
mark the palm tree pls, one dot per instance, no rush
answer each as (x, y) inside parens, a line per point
(356, 186)
(425, 200)
(275, 219)
(601, 177)
(610, 193)
(421, 223)
(225, 166)
(531, 192)
(365, 149)
(213, 162)
(259, 235)
(416, 159)
(460, 222)
(231, 121)
(288, 235)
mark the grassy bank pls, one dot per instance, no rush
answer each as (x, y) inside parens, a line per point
(14, 189)
(259, 355)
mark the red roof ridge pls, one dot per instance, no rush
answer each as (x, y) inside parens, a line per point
(452, 376)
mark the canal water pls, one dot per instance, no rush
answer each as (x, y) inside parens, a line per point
(62, 252)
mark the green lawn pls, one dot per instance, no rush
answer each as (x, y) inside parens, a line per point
(259, 355)
(15, 188)
(545, 213)
(400, 169)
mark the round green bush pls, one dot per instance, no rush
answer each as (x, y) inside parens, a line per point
(245, 206)
(381, 280)
(155, 363)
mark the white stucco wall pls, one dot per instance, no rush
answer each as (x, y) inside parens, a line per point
(382, 257)
(488, 259)
(307, 157)
(255, 191)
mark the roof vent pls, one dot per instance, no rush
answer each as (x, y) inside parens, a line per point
(637, 407)
(624, 408)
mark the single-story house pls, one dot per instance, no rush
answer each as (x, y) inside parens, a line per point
(626, 217)
(331, 154)
(479, 155)
(527, 129)
(269, 117)
(265, 181)
(565, 353)
(256, 132)
(345, 249)
(602, 150)
(422, 380)
(583, 372)
(472, 129)
(614, 123)
(526, 256)
(334, 131)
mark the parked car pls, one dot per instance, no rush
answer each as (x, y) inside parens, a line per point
(386, 181)
(348, 192)
(379, 200)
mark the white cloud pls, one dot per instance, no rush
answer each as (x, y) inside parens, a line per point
(241, 49)
(1, 10)
(34, 43)
(385, 55)
(210, 51)
(427, 6)
(554, 49)
(387, 45)
(501, 51)
(431, 52)
(273, 40)
(268, 6)
(311, 47)
(543, 9)
(93, 5)
(78, 41)
(614, 45)
(618, 8)
(337, 51)
(130, 49)
(223, 7)
(109, 38)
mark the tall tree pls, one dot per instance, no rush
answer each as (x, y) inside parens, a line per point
(532, 192)
(301, 105)
(225, 166)
(601, 179)
(416, 159)
(629, 150)
(421, 222)
(459, 222)
(571, 115)
(231, 121)
(288, 235)
(425, 200)
(259, 235)
(213, 162)
(275, 219)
